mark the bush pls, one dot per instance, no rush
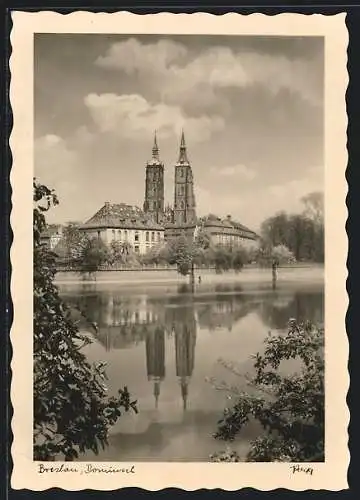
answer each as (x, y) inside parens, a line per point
(72, 412)
(289, 407)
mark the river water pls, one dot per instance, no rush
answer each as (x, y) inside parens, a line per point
(164, 343)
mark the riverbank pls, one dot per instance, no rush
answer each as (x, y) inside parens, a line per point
(249, 275)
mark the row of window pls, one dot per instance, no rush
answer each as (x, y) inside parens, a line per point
(117, 234)
(228, 237)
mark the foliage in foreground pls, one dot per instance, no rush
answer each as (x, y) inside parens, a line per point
(72, 412)
(290, 407)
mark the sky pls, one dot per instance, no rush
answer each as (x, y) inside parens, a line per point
(251, 109)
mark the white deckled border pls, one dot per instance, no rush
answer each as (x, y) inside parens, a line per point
(330, 475)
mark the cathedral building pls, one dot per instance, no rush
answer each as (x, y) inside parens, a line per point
(143, 229)
(181, 217)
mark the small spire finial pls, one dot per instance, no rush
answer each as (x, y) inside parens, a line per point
(184, 392)
(155, 149)
(183, 155)
(156, 393)
(182, 145)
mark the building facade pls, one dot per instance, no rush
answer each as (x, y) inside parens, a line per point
(52, 236)
(126, 224)
(228, 232)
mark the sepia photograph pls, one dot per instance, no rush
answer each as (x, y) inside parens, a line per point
(178, 272)
(189, 174)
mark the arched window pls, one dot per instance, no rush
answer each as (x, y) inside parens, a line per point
(147, 236)
(181, 204)
(153, 236)
(136, 235)
(119, 234)
(113, 234)
(158, 236)
(125, 235)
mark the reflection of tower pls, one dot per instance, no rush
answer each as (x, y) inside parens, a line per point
(185, 341)
(155, 358)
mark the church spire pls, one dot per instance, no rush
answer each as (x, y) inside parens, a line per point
(155, 149)
(184, 391)
(156, 392)
(183, 155)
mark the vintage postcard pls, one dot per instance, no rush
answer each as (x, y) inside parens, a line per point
(179, 253)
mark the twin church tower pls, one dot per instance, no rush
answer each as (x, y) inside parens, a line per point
(183, 212)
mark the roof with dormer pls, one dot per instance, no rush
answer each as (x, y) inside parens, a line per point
(122, 216)
(227, 225)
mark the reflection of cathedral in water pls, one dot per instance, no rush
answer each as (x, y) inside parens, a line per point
(181, 322)
(124, 321)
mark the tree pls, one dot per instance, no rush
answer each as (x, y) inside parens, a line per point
(314, 210)
(202, 239)
(94, 255)
(274, 230)
(75, 241)
(289, 407)
(157, 254)
(222, 259)
(314, 206)
(282, 254)
(238, 259)
(241, 256)
(72, 412)
(119, 252)
(181, 253)
(302, 234)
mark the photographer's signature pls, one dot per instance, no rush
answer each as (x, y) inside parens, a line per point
(300, 468)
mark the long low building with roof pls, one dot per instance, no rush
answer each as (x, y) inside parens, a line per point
(125, 224)
(228, 232)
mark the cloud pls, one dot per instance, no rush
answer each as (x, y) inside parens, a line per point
(293, 190)
(133, 57)
(238, 171)
(52, 154)
(252, 206)
(184, 76)
(133, 117)
(55, 163)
